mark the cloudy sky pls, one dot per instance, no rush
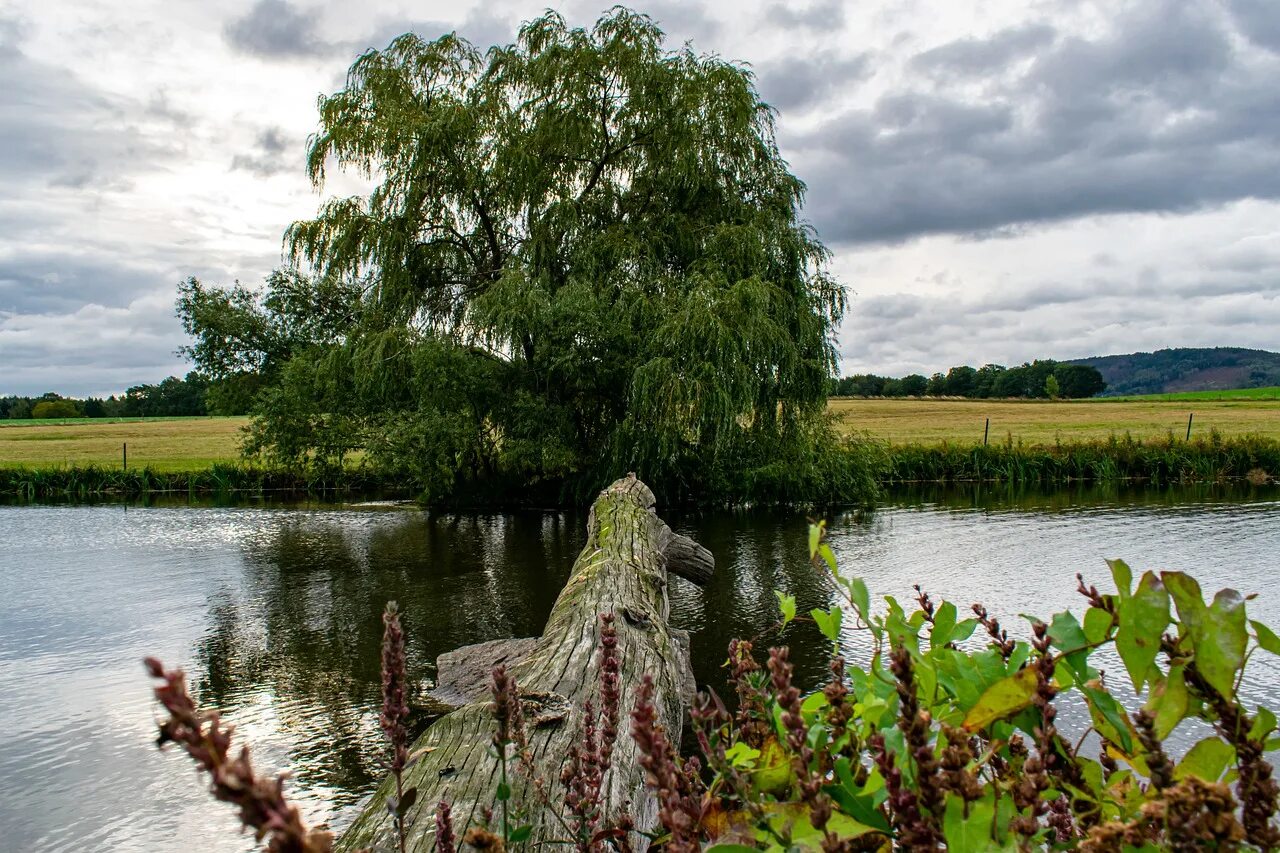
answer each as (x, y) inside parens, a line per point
(999, 181)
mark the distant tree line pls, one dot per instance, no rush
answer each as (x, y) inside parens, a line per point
(192, 395)
(1040, 379)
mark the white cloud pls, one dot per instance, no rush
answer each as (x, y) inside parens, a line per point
(999, 180)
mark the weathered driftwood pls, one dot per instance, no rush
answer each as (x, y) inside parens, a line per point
(621, 570)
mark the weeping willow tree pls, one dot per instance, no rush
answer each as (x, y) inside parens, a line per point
(583, 255)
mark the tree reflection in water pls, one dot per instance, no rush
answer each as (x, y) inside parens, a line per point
(301, 636)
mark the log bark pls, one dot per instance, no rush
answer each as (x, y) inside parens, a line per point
(622, 570)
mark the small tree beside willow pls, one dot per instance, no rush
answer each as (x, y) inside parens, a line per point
(583, 254)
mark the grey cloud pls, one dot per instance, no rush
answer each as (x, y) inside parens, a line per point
(1160, 114)
(797, 83)
(12, 31)
(482, 28)
(1258, 20)
(34, 281)
(1167, 49)
(276, 29)
(680, 20)
(92, 350)
(269, 157)
(973, 56)
(161, 108)
(901, 333)
(684, 21)
(822, 16)
(57, 131)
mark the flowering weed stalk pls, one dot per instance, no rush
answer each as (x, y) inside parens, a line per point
(262, 804)
(395, 716)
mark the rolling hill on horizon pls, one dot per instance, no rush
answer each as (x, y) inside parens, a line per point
(1185, 369)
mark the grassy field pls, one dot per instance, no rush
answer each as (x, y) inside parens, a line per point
(164, 444)
(1272, 393)
(185, 444)
(905, 421)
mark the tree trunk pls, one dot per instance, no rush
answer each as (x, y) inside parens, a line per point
(622, 570)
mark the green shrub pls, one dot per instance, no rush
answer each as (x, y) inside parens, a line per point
(55, 409)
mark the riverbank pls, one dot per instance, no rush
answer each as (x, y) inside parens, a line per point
(89, 481)
(1165, 461)
(1161, 462)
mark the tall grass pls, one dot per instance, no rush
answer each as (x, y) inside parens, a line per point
(220, 478)
(1162, 461)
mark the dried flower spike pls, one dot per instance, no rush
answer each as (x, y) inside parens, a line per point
(262, 804)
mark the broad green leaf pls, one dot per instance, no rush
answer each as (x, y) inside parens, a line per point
(828, 622)
(964, 630)
(1207, 759)
(944, 624)
(1187, 596)
(1168, 701)
(926, 677)
(813, 702)
(1092, 773)
(1143, 618)
(521, 834)
(815, 536)
(1263, 724)
(742, 756)
(970, 833)
(824, 551)
(1006, 697)
(1021, 654)
(802, 831)
(859, 805)
(1109, 717)
(901, 632)
(1066, 634)
(1221, 642)
(773, 773)
(1096, 623)
(1123, 576)
(787, 603)
(860, 597)
(1063, 675)
(503, 793)
(1266, 637)
(958, 675)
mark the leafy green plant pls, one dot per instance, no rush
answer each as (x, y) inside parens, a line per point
(940, 739)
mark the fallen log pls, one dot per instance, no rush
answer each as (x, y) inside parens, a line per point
(622, 570)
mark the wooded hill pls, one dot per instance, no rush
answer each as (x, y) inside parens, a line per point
(1185, 369)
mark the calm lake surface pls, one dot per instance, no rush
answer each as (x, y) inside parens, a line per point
(275, 614)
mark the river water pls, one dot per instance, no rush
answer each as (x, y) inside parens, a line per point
(274, 611)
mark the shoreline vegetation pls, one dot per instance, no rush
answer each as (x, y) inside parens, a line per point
(1161, 462)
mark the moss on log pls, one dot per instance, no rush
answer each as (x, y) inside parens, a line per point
(621, 570)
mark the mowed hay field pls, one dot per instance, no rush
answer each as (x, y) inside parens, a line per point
(906, 421)
(169, 444)
(188, 444)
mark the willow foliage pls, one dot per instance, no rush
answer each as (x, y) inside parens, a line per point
(583, 255)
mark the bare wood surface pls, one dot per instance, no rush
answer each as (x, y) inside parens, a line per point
(621, 570)
(462, 675)
(685, 556)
